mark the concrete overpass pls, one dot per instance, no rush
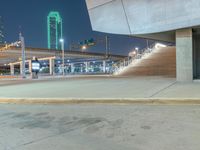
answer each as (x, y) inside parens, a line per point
(174, 20)
(11, 58)
(14, 54)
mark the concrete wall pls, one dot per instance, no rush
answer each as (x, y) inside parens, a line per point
(140, 17)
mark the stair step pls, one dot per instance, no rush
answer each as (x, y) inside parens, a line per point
(161, 62)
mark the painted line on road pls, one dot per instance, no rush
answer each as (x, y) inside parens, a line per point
(138, 101)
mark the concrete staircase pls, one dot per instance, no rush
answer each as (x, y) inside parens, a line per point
(160, 62)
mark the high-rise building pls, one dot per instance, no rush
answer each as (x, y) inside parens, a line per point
(2, 40)
(54, 26)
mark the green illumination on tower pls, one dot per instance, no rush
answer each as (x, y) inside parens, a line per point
(54, 30)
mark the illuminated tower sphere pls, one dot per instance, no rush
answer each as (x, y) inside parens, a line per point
(54, 26)
(1, 31)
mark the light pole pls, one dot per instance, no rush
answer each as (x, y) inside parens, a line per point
(137, 49)
(63, 56)
(137, 52)
(23, 55)
(107, 46)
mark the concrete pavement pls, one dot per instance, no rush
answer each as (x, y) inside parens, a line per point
(99, 127)
(100, 87)
(86, 87)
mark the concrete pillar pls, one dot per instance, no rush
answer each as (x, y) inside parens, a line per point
(21, 68)
(72, 68)
(30, 66)
(51, 66)
(12, 69)
(81, 68)
(184, 55)
(104, 66)
(87, 67)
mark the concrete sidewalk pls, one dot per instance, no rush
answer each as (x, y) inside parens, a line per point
(102, 88)
(86, 87)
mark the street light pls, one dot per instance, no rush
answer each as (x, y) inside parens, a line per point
(136, 48)
(23, 55)
(137, 51)
(63, 56)
(84, 47)
(132, 53)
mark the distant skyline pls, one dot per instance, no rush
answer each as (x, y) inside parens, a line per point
(2, 40)
(54, 29)
(30, 17)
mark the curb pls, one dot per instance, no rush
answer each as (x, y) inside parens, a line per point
(142, 101)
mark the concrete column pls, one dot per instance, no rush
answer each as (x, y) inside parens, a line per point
(87, 67)
(104, 66)
(72, 68)
(184, 55)
(81, 68)
(51, 66)
(12, 69)
(21, 68)
(30, 66)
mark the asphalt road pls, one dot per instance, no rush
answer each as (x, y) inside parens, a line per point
(99, 127)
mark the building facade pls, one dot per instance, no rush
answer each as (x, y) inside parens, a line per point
(173, 21)
(2, 37)
(54, 30)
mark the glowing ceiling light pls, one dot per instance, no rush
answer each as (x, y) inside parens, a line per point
(160, 45)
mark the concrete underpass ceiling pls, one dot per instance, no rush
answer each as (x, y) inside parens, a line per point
(164, 36)
(104, 17)
(154, 19)
(95, 3)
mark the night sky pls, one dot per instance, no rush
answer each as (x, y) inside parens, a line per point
(30, 17)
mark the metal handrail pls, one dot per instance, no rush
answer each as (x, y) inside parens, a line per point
(127, 61)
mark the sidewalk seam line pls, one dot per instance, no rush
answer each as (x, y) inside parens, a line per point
(161, 90)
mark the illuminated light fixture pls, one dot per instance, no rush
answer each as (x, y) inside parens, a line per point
(61, 40)
(132, 54)
(160, 45)
(136, 48)
(84, 47)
